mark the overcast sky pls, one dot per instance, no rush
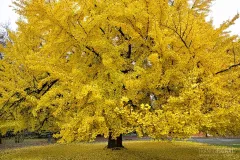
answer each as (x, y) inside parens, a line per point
(221, 11)
(6, 13)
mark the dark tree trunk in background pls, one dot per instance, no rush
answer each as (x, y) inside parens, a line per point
(19, 137)
(50, 138)
(114, 143)
(0, 138)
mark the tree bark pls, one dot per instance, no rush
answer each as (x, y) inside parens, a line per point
(115, 143)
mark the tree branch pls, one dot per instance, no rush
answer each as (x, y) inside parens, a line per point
(129, 51)
(229, 68)
(121, 32)
(93, 51)
(49, 86)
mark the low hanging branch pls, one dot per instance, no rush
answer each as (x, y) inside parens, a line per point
(229, 68)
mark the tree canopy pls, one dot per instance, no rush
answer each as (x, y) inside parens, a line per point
(92, 67)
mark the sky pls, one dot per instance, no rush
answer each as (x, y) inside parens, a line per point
(221, 10)
(7, 14)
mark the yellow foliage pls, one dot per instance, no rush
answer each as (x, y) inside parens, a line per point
(92, 67)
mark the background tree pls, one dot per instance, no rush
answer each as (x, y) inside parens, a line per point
(19, 91)
(3, 38)
(3, 43)
(121, 66)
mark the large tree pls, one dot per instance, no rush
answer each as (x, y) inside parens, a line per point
(114, 67)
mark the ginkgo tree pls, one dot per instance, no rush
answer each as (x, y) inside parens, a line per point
(157, 68)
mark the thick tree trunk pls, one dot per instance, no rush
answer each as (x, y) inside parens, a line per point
(115, 143)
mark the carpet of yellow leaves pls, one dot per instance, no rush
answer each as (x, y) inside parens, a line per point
(135, 150)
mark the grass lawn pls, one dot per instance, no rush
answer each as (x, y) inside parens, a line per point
(135, 150)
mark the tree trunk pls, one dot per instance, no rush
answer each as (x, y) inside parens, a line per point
(22, 136)
(17, 138)
(0, 138)
(50, 139)
(115, 143)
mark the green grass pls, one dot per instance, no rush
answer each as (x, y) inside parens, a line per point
(135, 150)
